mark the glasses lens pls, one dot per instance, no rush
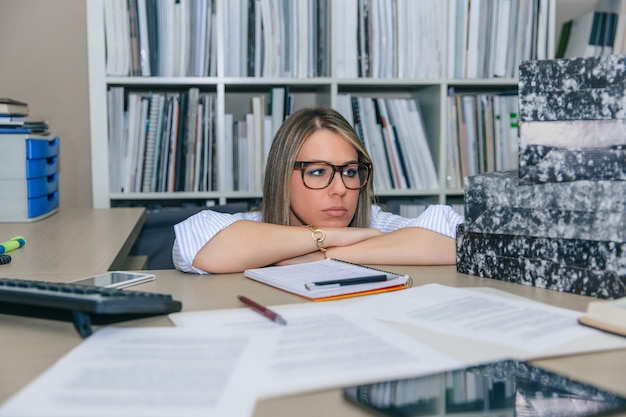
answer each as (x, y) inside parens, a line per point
(319, 176)
(354, 176)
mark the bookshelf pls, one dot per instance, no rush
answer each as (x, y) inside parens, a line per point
(232, 95)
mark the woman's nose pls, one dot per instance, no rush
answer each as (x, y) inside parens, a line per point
(337, 185)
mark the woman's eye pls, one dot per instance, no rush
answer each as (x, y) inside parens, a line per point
(316, 172)
(349, 172)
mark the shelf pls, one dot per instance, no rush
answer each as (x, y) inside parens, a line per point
(233, 95)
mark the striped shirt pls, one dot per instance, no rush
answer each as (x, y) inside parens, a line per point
(193, 233)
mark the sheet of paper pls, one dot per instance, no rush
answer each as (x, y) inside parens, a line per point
(325, 346)
(149, 372)
(523, 325)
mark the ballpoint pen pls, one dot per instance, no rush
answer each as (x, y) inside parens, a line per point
(264, 311)
(12, 244)
(319, 285)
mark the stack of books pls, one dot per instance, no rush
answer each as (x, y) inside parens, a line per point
(559, 222)
(13, 114)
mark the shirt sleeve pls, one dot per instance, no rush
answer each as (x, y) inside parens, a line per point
(438, 218)
(193, 233)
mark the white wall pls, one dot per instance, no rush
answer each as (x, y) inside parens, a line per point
(43, 61)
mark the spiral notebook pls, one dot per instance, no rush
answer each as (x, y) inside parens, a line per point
(329, 279)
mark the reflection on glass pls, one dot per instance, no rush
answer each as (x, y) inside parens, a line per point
(499, 389)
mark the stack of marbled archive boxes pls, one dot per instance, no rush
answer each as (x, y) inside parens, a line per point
(560, 221)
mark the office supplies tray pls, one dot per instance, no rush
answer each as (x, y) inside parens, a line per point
(81, 304)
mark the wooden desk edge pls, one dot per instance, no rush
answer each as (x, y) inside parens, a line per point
(121, 258)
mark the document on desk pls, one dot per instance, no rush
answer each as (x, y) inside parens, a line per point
(149, 372)
(324, 346)
(527, 327)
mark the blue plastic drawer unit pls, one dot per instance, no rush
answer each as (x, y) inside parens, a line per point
(41, 167)
(41, 148)
(40, 186)
(29, 180)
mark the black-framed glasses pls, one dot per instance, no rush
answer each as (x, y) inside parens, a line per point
(319, 174)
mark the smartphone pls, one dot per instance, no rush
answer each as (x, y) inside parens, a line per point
(115, 279)
(502, 388)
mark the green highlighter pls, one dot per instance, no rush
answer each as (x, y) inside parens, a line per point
(12, 244)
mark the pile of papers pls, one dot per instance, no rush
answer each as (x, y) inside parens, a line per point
(220, 362)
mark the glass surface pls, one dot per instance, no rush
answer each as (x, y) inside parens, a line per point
(504, 388)
(115, 279)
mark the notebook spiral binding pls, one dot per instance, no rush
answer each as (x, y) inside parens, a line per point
(409, 282)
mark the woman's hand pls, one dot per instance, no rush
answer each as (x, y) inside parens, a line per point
(334, 237)
(309, 257)
(407, 246)
(249, 244)
(346, 236)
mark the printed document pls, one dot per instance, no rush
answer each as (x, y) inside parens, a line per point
(325, 346)
(151, 372)
(527, 328)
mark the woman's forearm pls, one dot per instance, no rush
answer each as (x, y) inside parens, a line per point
(249, 244)
(407, 246)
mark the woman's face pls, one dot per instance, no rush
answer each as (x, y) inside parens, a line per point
(334, 205)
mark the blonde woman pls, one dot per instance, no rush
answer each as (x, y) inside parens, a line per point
(317, 203)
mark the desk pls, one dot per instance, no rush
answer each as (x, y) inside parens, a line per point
(79, 240)
(29, 346)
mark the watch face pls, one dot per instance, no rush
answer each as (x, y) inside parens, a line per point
(503, 388)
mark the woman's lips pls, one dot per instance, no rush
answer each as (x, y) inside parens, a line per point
(335, 211)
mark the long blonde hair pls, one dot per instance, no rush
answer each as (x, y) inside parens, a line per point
(289, 138)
